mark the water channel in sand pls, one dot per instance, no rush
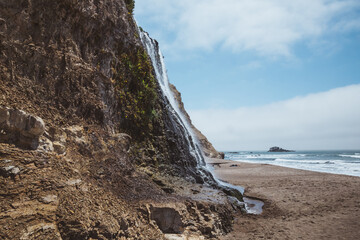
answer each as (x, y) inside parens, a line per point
(252, 206)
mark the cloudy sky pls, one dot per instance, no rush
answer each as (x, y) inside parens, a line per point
(258, 73)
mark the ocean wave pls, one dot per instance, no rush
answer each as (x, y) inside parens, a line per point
(274, 156)
(340, 162)
(351, 156)
(305, 161)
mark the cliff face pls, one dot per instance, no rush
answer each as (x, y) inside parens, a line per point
(207, 147)
(88, 148)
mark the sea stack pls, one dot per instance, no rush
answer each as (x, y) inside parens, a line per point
(279, 149)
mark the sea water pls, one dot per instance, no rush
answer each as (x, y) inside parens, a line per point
(339, 162)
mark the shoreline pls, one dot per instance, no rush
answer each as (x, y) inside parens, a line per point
(217, 162)
(299, 204)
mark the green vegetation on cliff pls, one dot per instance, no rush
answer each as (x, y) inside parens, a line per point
(130, 5)
(135, 87)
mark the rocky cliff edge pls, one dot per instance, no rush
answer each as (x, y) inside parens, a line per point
(88, 149)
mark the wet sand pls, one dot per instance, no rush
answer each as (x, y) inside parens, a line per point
(298, 204)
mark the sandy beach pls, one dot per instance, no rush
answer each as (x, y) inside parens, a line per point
(298, 204)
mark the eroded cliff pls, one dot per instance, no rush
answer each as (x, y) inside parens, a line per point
(88, 147)
(207, 147)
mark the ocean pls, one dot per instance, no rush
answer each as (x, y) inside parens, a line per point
(339, 162)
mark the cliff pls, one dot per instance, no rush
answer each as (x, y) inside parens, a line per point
(207, 147)
(88, 146)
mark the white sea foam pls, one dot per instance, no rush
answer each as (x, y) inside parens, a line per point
(351, 156)
(274, 156)
(338, 162)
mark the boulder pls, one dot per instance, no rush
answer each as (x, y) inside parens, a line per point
(20, 128)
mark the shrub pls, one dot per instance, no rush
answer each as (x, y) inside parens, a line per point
(130, 5)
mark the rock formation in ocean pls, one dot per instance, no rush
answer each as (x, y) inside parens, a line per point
(89, 148)
(207, 147)
(279, 149)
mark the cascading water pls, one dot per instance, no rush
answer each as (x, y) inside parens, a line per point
(159, 66)
(157, 60)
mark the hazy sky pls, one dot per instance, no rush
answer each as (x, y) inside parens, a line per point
(258, 73)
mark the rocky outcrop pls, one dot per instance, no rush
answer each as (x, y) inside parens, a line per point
(278, 149)
(77, 85)
(207, 147)
(21, 128)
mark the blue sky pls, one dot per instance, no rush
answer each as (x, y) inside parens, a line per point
(226, 56)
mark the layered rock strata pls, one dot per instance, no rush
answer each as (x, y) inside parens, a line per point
(88, 148)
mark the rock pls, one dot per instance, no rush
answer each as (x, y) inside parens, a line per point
(278, 149)
(73, 182)
(41, 231)
(75, 131)
(15, 171)
(4, 115)
(59, 147)
(28, 125)
(20, 127)
(57, 134)
(124, 139)
(9, 171)
(70, 63)
(49, 199)
(207, 148)
(45, 145)
(78, 135)
(183, 237)
(236, 203)
(167, 219)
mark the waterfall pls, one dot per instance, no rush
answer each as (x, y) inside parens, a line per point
(157, 60)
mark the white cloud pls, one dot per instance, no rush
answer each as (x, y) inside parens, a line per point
(268, 27)
(327, 120)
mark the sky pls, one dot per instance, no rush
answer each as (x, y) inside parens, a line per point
(259, 73)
